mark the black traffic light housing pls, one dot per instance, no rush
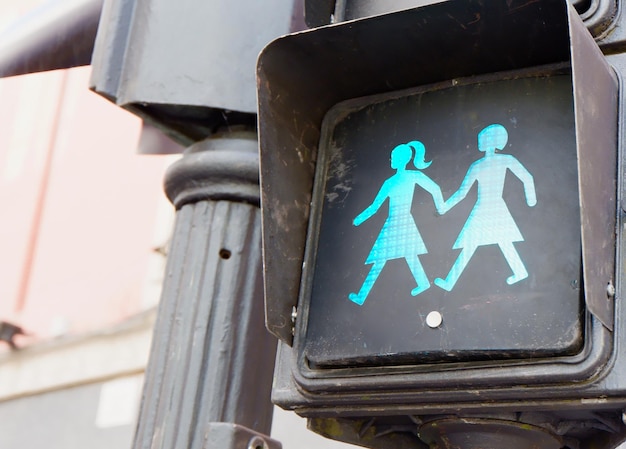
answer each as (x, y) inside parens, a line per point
(312, 84)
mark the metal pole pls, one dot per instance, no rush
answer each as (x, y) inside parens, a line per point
(209, 376)
(188, 67)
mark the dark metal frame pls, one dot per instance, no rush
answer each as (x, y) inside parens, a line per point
(570, 369)
(599, 15)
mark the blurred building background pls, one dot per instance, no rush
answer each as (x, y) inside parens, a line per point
(84, 229)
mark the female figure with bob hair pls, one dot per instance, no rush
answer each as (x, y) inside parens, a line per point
(399, 237)
(490, 222)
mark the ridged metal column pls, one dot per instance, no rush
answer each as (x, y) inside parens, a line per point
(208, 381)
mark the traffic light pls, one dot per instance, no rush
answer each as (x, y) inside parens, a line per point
(439, 196)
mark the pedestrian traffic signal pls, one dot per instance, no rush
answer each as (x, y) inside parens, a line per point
(439, 192)
(387, 241)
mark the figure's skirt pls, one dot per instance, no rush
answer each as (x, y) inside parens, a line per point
(398, 238)
(488, 224)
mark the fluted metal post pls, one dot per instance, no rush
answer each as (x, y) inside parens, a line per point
(208, 381)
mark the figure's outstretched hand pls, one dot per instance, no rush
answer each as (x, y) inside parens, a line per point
(359, 219)
(531, 198)
(444, 207)
(372, 208)
(439, 203)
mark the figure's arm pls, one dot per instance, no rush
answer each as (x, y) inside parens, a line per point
(465, 187)
(433, 188)
(527, 179)
(372, 208)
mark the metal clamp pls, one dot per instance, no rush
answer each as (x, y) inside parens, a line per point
(233, 436)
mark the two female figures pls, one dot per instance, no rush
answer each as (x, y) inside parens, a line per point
(489, 222)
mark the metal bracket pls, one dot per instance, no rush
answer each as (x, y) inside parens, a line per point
(233, 436)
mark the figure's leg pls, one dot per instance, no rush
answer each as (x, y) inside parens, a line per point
(359, 298)
(515, 262)
(418, 273)
(456, 270)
